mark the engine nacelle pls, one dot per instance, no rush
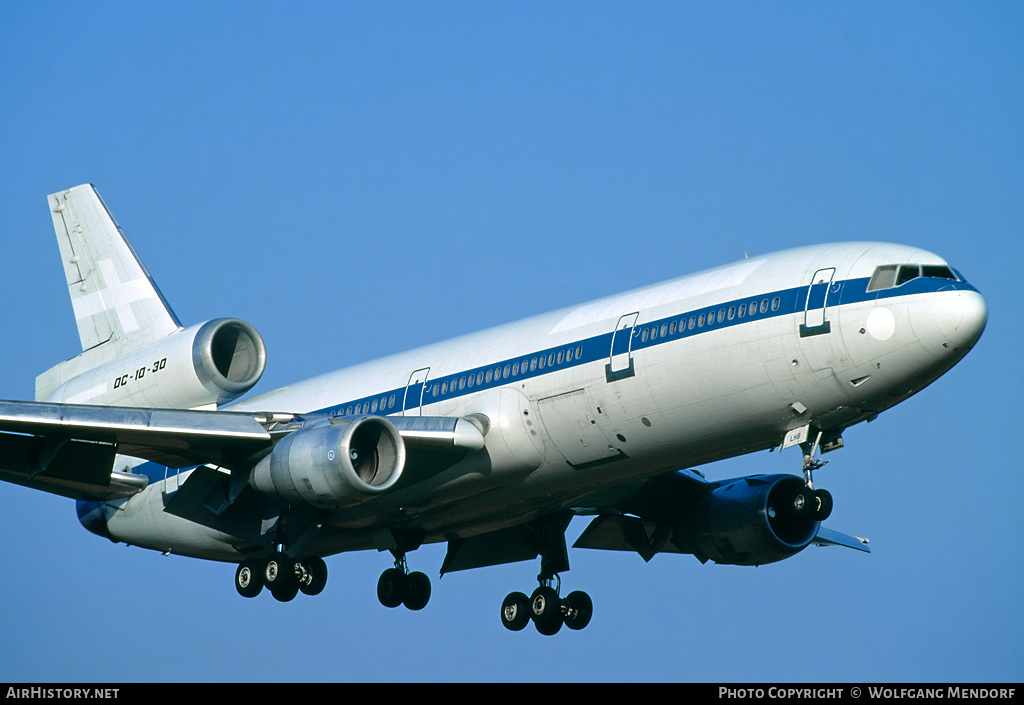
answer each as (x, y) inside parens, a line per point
(210, 363)
(337, 463)
(751, 521)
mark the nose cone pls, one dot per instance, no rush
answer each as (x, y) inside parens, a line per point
(961, 316)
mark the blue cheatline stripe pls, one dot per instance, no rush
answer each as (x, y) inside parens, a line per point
(597, 348)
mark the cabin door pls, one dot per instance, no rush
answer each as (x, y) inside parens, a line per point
(412, 400)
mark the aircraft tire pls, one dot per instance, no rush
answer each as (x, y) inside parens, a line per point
(315, 576)
(546, 610)
(286, 593)
(391, 587)
(279, 572)
(824, 504)
(417, 591)
(515, 611)
(579, 610)
(804, 502)
(248, 579)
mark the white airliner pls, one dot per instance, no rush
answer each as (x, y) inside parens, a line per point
(491, 442)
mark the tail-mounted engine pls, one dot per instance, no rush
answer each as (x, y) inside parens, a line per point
(752, 521)
(336, 463)
(210, 363)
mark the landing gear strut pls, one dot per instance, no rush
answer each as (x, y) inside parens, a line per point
(818, 502)
(545, 608)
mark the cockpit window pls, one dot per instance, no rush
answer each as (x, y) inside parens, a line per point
(882, 278)
(937, 271)
(907, 272)
(890, 275)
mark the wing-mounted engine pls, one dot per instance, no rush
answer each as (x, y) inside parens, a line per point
(338, 462)
(751, 521)
(746, 521)
(209, 363)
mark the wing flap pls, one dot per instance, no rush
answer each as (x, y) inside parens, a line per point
(76, 469)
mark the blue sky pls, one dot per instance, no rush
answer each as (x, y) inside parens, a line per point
(357, 179)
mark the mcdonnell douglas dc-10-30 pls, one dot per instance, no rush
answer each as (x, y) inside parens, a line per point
(491, 442)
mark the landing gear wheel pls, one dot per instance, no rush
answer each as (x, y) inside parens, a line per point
(279, 573)
(823, 504)
(515, 611)
(314, 576)
(391, 587)
(247, 578)
(287, 592)
(804, 502)
(417, 591)
(579, 608)
(546, 610)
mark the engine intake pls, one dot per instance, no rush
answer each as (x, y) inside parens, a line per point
(751, 521)
(335, 463)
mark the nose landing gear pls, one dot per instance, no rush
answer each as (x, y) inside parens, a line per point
(818, 502)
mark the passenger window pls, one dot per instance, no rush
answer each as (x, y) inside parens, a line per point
(882, 278)
(579, 351)
(533, 364)
(506, 371)
(775, 303)
(907, 272)
(764, 305)
(462, 382)
(515, 370)
(643, 335)
(444, 387)
(721, 315)
(700, 321)
(561, 357)
(743, 310)
(488, 376)
(732, 312)
(692, 323)
(672, 328)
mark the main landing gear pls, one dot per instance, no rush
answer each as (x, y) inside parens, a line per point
(397, 586)
(544, 607)
(547, 610)
(282, 575)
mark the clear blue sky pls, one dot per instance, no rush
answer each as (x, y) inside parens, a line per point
(361, 178)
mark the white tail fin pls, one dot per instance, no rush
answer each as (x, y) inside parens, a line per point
(118, 307)
(115, 300)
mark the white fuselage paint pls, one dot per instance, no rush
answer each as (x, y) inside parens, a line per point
(558, 439)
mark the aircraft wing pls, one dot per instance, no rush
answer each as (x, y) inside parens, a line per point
(69, 449)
